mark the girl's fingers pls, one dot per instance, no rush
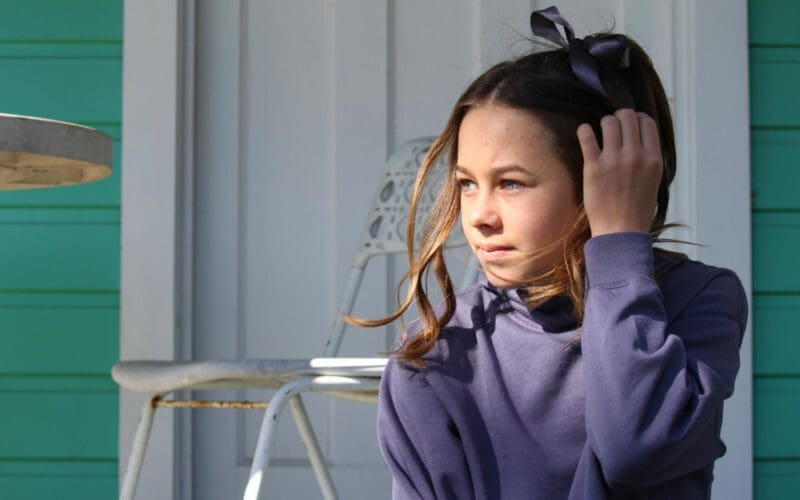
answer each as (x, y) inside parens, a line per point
(629, 125)
(612, 134)
(649, 131)
(620, 182)
(589, 146)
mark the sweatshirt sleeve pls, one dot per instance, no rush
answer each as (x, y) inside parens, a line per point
(417, 438)
(655, 385)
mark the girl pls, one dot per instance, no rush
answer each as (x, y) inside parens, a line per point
(587, 364)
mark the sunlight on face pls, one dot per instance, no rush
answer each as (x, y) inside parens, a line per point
(516, 196)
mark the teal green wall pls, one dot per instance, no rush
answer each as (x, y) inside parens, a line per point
(59, 260)
(775, 137)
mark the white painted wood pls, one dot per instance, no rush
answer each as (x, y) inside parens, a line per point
(148, 307)
(721, 158)
(254, 200)
(682, 208)
(287, 202)
(216, 220)
(314, 144)
(359, 149)
(185, 229)
(501, 33)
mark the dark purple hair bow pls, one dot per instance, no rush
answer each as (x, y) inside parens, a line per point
(583, 53)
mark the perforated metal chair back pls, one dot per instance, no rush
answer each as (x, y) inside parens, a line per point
(386, 229)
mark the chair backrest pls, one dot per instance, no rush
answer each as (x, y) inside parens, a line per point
(385, 232)
(386, 226)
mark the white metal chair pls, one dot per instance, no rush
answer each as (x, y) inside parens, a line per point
(351, 378)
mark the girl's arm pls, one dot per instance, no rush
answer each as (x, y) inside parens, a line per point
(417, 440)
(654, 384)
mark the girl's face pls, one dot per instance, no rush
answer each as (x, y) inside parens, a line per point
(516, 196)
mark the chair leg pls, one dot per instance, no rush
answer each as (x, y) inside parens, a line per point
(267, 434)
(138, 448)
(288, 394)
(312, 446)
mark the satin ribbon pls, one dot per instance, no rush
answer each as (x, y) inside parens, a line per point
(583, 53)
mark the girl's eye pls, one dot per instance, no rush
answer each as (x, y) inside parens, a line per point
(510, 185)
(466, 185)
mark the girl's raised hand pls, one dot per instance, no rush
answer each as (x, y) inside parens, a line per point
(620, 182)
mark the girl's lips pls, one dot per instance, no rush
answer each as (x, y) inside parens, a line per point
(493, 252)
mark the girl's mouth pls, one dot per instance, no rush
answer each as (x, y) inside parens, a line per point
(488, 252)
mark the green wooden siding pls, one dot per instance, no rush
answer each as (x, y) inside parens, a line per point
(775, 139)
(59, 288)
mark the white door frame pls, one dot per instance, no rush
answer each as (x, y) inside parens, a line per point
(713, 122)
(155, 236)
(711, 67)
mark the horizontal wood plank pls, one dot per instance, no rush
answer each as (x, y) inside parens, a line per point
(776, 238)
(776, 479)
(58, 424)
(59, 250)
(774, 100)
(86, 50)
(776, 409)
(774, 22)
(78, 487)
(44, 339)
(776, 335)
(69, 89)
(775, 169)
(49, 20)
(43, 468)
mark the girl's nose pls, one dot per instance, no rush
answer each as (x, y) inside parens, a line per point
(483, 213)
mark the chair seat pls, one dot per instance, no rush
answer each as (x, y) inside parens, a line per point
(161, 377)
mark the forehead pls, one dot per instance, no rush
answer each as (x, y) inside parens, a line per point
(497, 133)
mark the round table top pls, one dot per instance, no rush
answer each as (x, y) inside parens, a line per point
(37, 152)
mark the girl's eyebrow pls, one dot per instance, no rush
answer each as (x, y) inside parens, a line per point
(499, 170)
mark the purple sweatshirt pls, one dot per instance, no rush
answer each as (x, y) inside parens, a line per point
(511, 406)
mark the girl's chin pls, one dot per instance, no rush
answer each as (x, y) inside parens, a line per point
(501, 278)
(503, 283)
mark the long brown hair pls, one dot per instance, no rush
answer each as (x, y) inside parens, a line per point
(541, 83)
